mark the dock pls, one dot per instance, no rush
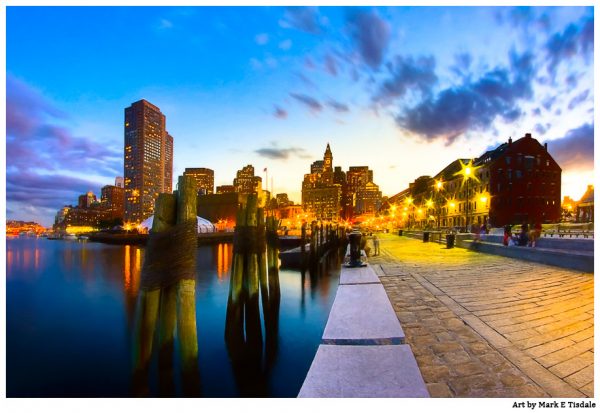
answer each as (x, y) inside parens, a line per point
(362, 352)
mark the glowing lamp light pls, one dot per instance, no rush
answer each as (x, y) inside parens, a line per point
(483, 199)
(452, 204)
(429, 203)
(439, 185)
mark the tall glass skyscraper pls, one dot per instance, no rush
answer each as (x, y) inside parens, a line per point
(148, 159)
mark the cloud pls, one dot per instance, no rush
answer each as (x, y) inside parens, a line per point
(407, 73)
(285, 44)
(165, 24)
(331, 65)
(338, 107)
(579, 99)
(371, 34)
(305, 19)
(280, 113)
(472, 105)
(575, 150)
(261, 39)
(577, 39)
(42, 153)
(541, 129)
(282, 153)
(310, 102)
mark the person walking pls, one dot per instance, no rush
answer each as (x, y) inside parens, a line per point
(375, 245)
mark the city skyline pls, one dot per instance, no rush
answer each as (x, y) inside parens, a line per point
(277, 89)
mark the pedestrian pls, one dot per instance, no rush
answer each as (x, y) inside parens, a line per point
(375, 245)
(507, 234)
(535, 234)
(524, 235)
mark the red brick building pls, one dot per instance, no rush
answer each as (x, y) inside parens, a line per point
(524, 183)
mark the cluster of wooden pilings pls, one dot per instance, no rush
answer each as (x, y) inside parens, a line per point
(254, 283)
(167, 303)
(321, 239)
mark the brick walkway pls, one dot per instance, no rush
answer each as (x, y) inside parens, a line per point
(487, 326)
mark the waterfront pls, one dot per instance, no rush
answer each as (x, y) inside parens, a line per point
(71, 313)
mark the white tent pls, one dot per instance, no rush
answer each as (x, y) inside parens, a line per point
(204, 225)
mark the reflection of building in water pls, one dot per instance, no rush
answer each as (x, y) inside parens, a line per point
(224, 255)
(131, 270)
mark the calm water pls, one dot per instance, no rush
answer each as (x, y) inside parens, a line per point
(73, 309)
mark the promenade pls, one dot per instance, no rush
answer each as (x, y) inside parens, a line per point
(481, 325)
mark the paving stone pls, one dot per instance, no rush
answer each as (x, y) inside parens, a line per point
(364, 371)
(439, 390)
(359, 275)
(496, 308)
(582, 377)
(446, 347)
(434, 374)
(512, 380)
(468, 369)
(362, 314)
(456, 357)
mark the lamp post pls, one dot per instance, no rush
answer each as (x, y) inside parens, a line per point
(466, 171)
(438, 186)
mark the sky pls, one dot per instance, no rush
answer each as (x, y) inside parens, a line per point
(404, 90)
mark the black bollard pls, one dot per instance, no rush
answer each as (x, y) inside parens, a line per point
(354, 238)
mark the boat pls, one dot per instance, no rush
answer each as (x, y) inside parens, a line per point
(83, 237)
(70, 237)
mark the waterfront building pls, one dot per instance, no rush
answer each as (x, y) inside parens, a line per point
(245, 182)
(585, 206)
(221, 208)
(204, 178)
(113, 201)
(225, 189)
(516, 182)
(368, 199)
(283, 200)
(148, 159)
(321, 197)
(86, 200)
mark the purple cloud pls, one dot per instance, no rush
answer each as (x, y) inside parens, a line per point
(577, 39)
(282, 153)
(407, 73)
(331, 65)
(280, 113)
(310, 102)
(338, 107)
(371, 34)
(579, 99)
(575, 150)
(43, 155)
(473, 105)
(305, 19)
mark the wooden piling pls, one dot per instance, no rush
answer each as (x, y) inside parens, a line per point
(186, 294)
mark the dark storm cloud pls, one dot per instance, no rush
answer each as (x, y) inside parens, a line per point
(575, 150)
(282, 153)
(280, 113)
(338, 107)
(41, 153)
(472, 105)
(371, 35)
(579, 99)
(305, 19)
(575, 39)
(308, 101)
(407, 73)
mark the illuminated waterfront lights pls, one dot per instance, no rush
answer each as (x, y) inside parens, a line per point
(439, 184)
(483, 199)
(429, 203)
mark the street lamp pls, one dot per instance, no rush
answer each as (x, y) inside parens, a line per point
(438, 186)
(467, 171)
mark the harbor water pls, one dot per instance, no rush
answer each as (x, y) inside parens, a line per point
(72, 309)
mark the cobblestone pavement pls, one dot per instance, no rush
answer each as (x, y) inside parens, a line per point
(487, 326)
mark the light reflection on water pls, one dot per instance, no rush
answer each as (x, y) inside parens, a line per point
(71, 311)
